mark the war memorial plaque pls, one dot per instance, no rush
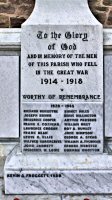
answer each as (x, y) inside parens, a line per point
(61, 104)
(62, 89)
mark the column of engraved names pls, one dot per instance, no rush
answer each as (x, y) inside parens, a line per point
(39, 128)
(79, 135)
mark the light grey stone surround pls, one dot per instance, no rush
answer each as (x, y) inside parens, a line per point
(10, 45)
(10, 38)
(77, 174)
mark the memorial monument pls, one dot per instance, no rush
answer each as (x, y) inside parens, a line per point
(62, 101)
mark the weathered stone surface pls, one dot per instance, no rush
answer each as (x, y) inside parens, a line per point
(100, 9)
(109, 21)
(2, 162)
(9, 96)
(107, 2)
(4, 21)
(108, 96)
(58, 174)
(10, 38)
(16, 21)
(3, 1)
(23, 8)
(7, 8)
(25, 197)
(58, 182)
